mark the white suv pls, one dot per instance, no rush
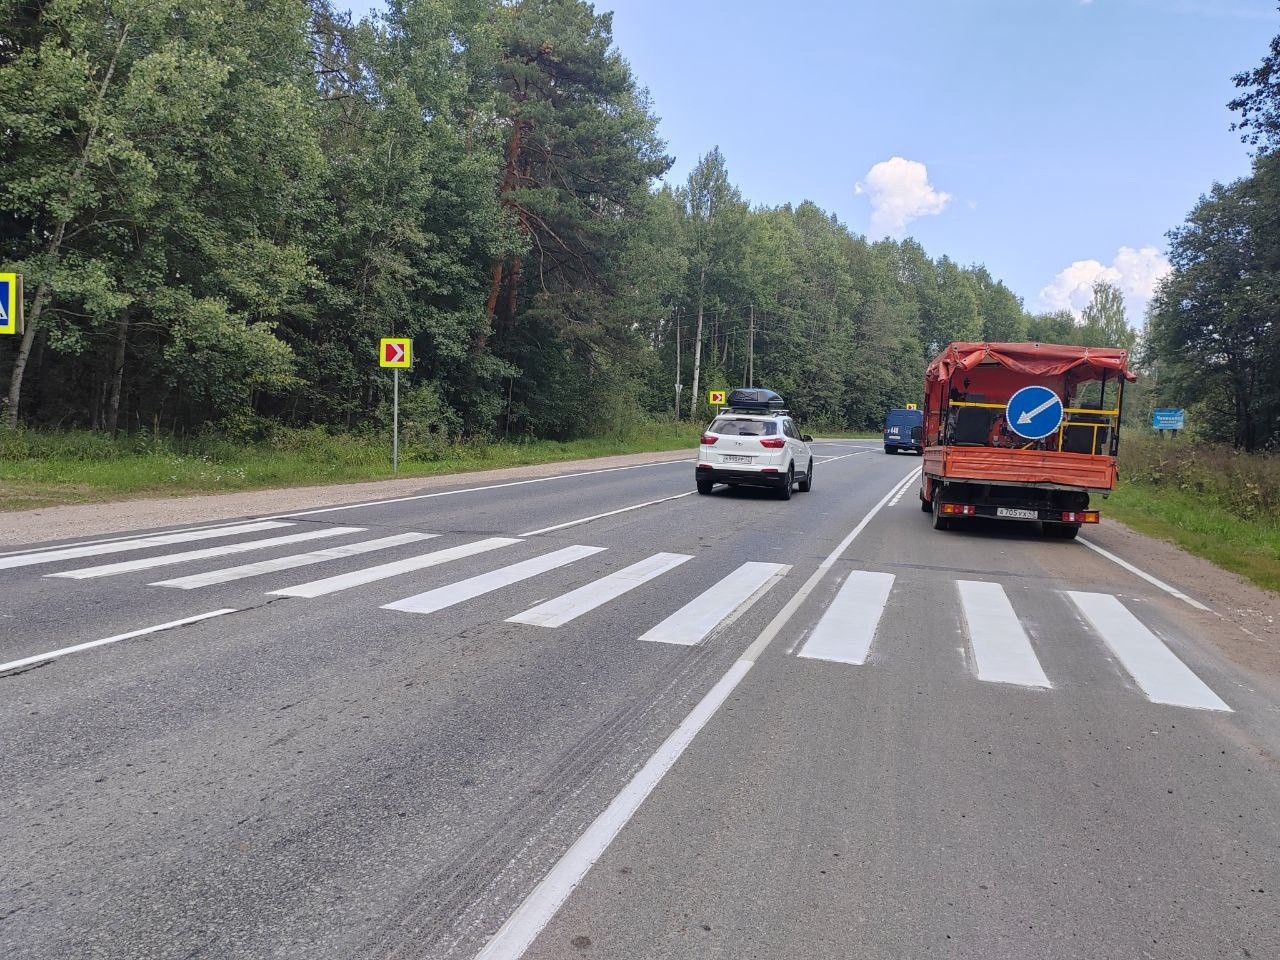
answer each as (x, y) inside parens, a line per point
(761, 450)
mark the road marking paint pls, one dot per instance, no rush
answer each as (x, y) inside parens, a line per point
(1002, 653)
(150, 563)
(344, 581)
(557, 612)
(54, 654)
(135, 543)
(848, 626)
(693, 622)
(610, 513)
(450, 594)
(843, 456)
(492, 486)
(1154, 667)
(288, 563)
(523, 926)
(1172, 591)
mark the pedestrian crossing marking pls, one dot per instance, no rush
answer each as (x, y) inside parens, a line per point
(693, 622)
(1001, 651)
(138, 543)
(345, 581)
(1154, 667)
(570, 606)
(472, 587)
(261, 567)
(848, 625)
(149, 563)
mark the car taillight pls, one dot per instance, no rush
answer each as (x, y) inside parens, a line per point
(708, 439)
(773, 443)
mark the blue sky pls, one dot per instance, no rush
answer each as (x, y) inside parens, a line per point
(1052, 140)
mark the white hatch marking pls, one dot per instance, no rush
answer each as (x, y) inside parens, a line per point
(1002, 653)
(345, 581)
(150, 563)
(1154, 667)
(845, 632)
(696, 619)
(447, 596)
(257, 569)
(557, 612)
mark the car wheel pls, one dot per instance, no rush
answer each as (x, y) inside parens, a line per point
(939, 521)
(807, 483)
(784, 492)
(704, 486)
(889, 449)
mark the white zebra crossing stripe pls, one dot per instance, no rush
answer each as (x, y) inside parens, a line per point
(345, 581)
(561, 610)
(845, 632)
(472, 587)
(693, 622)
(228, 574)
(1154, 667)
(150, 563)
(137, 543)
(1001, 651)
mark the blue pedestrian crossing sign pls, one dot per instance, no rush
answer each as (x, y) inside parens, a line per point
(1034, 412)
(10, 303)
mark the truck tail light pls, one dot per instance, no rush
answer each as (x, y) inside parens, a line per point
(773, 443)
(1080, 516)
(708, 439)
(959, 509)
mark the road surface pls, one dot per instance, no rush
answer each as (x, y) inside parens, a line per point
(595, 715)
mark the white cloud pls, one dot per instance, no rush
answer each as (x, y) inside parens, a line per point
(899, 191)
(1135, 272)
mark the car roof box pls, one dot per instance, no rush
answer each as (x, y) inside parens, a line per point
(754, 398)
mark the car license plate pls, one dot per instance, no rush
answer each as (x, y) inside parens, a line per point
(1013, 513)
(730, 458)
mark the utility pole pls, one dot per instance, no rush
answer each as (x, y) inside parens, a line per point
(677, 363)
(751, 349)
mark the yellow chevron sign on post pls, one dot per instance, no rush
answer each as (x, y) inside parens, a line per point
(10, 303)
(716, 397)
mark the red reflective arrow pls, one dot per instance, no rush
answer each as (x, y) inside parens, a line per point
(395, 353)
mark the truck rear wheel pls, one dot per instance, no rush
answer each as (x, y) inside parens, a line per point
(939, 521)
(1063, 531)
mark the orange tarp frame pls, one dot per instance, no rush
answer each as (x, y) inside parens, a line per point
(1034, 359)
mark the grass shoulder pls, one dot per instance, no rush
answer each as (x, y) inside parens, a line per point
(41, 469)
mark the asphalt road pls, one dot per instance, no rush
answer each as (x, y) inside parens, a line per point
(477, 723)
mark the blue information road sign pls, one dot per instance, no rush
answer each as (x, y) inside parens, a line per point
(9, 305)
(1034, 412)
(1168, 418)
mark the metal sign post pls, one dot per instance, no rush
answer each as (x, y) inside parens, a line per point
(396, 353)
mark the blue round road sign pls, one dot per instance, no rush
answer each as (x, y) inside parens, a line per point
(1034, 412)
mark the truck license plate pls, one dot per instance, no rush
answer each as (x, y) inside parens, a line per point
(1014, 513)
(730, 458)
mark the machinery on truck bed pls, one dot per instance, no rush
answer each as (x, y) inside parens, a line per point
(1021, 431)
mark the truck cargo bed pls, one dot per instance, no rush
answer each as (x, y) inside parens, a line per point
(1006, 465)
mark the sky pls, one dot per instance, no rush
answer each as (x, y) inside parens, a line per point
(1054, 141)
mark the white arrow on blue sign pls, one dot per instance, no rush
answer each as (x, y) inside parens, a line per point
(1034, 412)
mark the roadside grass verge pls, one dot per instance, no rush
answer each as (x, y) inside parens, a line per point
(1214, 502)
(39, 468)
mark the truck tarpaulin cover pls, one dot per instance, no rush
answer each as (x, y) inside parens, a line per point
(1033, 359)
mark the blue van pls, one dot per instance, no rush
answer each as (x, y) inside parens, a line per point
(904, 430)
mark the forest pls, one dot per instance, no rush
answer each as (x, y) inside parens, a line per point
(220, 206)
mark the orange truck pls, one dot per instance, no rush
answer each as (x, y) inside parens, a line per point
(1021, 431)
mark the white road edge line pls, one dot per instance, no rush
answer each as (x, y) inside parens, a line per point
(54, 654)
(523, 926)
(599, 516)
(1154, 581)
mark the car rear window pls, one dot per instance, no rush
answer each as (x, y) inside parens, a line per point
(729, 427)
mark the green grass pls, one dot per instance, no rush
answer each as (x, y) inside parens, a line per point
(40, 469)
(1202, 526)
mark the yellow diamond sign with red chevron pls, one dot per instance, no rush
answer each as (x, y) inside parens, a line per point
(395, 352)
(716, 397)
